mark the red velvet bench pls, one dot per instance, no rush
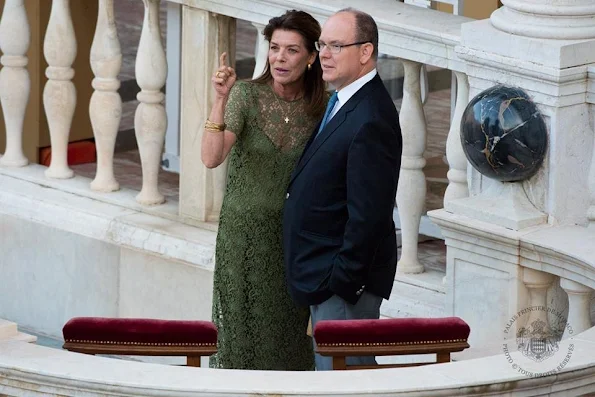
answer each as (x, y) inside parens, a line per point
(141, 337)
(388, 337)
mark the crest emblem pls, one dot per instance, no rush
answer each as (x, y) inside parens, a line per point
(536, 341)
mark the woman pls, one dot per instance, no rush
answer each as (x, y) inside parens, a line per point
(263, 125)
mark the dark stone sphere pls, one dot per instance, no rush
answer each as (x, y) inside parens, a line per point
(503, 134)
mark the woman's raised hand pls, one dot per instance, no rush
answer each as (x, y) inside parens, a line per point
(224, 78)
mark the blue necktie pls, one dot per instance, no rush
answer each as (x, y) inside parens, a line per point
(329, 108)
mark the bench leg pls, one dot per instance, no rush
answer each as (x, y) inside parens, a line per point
(193, 361)
(443, 357)
(339, 363)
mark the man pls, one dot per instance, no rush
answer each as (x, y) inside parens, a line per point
(339, 236)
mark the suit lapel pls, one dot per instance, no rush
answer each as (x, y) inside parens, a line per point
(307, 146)
(317, 142)
(333, 125)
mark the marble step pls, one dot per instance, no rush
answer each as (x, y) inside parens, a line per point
(416, 295)
(9, 331)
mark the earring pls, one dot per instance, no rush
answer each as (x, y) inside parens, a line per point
(309, 66)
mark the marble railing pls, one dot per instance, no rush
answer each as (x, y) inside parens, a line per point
(566, 253)
(30, 370)
(539, 257)
(415, 35)
(544, 253)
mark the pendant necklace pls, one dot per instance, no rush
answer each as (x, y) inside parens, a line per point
(287, 118)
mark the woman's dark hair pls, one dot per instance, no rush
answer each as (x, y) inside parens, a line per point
(303, 23)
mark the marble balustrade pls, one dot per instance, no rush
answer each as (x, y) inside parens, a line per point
(202, 189)
(27, 369)
(409, 36)
(105, 108)
(517, 265)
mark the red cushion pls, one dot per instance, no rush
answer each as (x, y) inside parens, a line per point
(391, 331)
(139, 331)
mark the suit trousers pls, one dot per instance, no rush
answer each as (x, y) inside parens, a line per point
(335, 308)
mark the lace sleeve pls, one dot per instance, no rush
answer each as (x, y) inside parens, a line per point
(235, 109)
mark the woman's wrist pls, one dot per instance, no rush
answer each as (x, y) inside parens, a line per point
(221, 100)
(218, 111)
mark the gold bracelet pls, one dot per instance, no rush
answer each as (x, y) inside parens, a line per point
(209, 125)
(213, 130)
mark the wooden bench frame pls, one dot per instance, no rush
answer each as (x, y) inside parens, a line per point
(339, 352)
(193, 353)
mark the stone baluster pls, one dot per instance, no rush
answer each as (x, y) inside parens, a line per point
(411, 193)
(457, 161)
(59, 94)
(537, 283)
(261, 51)
(150, 120)
(579, 300)
(15, 84)
(105, 108)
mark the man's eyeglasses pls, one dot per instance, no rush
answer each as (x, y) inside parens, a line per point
(334, 48)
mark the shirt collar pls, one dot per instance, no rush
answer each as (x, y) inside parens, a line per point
(348, 91)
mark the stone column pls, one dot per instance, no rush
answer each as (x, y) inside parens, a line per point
(579, 300)
(59, 94)
(150, 119)
(457, 162)
(205, 37)
(548, 19)
(105, 108)
(261, 50)
(411, 192)
(15, 84)
(537, 284)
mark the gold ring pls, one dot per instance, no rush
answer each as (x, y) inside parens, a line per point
(217, 74)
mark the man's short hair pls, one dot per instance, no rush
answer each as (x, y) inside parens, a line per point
(365, 28)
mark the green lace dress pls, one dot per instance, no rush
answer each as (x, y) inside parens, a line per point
(259, 326)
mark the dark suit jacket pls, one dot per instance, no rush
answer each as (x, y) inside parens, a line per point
(338, 231)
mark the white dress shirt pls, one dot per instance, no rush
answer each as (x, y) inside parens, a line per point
(348, 91)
